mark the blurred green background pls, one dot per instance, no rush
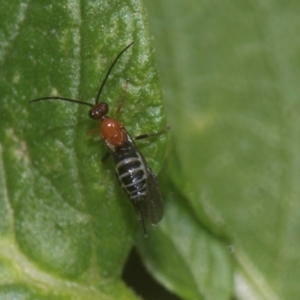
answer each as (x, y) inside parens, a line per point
(230, 74)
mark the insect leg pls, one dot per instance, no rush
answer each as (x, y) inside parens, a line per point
(93, 131)
(140, 215)
(144, 226)
(105, 157)
(120, 105)
(147, 135)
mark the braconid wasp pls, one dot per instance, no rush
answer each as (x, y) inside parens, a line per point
(132, 171)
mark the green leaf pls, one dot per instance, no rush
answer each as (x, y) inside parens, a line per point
(230, 73)
(66, 227)
(183, 255)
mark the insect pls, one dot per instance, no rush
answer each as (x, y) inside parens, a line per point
(132, 171)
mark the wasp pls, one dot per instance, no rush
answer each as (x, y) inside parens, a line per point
(132, 171)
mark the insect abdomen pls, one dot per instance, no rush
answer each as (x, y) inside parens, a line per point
(131, 174)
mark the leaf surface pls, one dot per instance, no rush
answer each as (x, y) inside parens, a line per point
(65, 224)
(230, 74)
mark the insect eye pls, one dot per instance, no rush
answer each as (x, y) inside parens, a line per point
(98, 111)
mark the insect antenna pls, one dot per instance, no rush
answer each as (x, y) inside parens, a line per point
(63, 99)
(108, 72)
(100, 89)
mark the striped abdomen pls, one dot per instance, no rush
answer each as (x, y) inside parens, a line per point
(131, 174)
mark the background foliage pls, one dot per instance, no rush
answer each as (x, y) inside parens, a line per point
(230, 73)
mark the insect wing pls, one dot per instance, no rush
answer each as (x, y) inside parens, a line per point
(153, 204)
